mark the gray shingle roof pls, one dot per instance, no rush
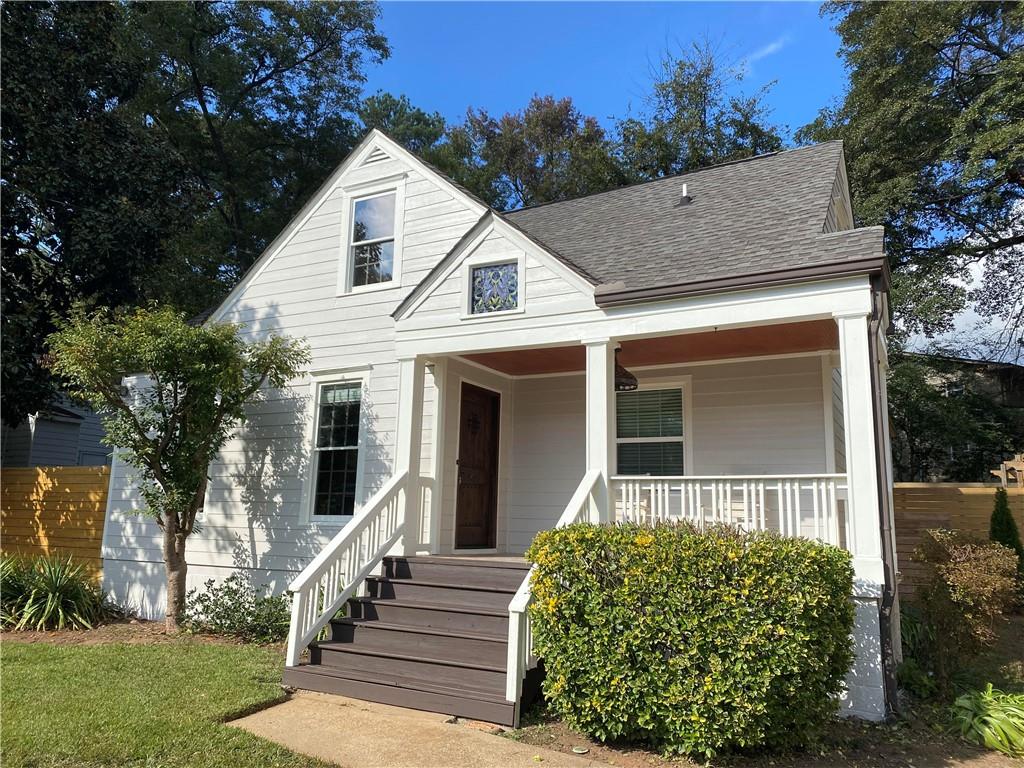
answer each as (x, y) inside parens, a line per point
(764, 214)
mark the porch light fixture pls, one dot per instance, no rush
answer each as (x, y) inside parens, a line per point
(624, 380)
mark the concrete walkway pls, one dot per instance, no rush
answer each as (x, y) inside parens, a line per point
(360, 734)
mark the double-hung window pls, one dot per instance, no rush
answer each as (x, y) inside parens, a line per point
(649, 432)
(372, 251)
(336, 449)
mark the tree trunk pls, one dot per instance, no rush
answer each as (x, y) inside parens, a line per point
(177, 569)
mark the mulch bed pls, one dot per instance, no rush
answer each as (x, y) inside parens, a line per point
(131, 632)
(849, 744)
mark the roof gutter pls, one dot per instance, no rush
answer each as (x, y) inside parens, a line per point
(616, 294)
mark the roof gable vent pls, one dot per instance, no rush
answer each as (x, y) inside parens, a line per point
(377, 155)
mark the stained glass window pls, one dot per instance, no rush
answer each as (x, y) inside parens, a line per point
(495, 288)
(373, 240)
(337, 449)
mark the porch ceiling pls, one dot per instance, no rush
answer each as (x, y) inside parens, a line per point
(781, 339)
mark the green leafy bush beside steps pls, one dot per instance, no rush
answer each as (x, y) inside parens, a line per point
(698, 642)
(51, 592)
(236, 609)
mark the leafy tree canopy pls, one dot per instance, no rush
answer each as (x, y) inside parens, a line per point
(151, 151)
(934, 126)
(545, 152)
(944, 425)
(698, 116)
(90, 194)
(195, 383)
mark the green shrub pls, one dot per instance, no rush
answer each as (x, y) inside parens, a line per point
(235, 609)
(917, 638)
(969, 584)
(49, 592)
(1003, 530)
(694, 642)
(992, 719)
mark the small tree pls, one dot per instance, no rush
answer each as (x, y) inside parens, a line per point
(1003, 529)
(195, 384)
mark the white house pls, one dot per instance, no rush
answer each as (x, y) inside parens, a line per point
(708, 347)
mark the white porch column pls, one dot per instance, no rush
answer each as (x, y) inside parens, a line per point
(601, 418)
(865, 695)
(859, 421)
(408, 442)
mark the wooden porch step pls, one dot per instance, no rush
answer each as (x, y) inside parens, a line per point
(347, 659)
(431, 634)
(404, 692)
(416, 590)
(489, 621)
(446, 644)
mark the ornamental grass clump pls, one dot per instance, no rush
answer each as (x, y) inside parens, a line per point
(50, 592)
(696, 642)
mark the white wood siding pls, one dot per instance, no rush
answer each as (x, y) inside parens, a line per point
(547, 291)
(254, 517)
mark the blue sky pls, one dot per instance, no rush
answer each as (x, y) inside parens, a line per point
(449, 56)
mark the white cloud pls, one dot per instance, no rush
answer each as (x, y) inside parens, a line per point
(746, 63)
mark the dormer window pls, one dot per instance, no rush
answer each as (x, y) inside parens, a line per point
(372, 251)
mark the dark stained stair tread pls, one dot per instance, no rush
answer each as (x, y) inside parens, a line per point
(339, 647)
(414, 629)
(442, 585)
(450, 607)
(406, 681)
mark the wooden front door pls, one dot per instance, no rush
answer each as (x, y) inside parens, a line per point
(476, 505)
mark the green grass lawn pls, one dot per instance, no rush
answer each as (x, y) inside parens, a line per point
(137, 705)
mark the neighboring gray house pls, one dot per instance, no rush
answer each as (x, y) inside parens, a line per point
(708, 347)
(63, 435)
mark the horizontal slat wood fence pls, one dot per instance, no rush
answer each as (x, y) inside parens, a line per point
(54, 510)
(920, 506)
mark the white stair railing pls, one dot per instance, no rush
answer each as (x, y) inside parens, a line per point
(334, 575)
(793, 505)
(520, 629)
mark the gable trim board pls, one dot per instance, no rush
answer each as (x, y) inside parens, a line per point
(490, 222)
(373, 141)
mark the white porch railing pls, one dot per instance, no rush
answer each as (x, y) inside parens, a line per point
(340, 568)
(520, 632)
(793, 505)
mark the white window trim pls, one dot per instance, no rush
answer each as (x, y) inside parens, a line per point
(352, 194)
(685, 385)
(317, 381)
(473, 262)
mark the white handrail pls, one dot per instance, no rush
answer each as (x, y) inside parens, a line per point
(340, 568)
(811, 505)
(520, 629)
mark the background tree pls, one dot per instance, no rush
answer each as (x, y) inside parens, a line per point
(1003, 529)
(259, 99)
(934, 126)
(943, 426)
(198, 380)
(697, 117)
(151, 151)
(90, 195)
(548, 151)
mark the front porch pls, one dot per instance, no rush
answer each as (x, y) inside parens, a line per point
(743, 427)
